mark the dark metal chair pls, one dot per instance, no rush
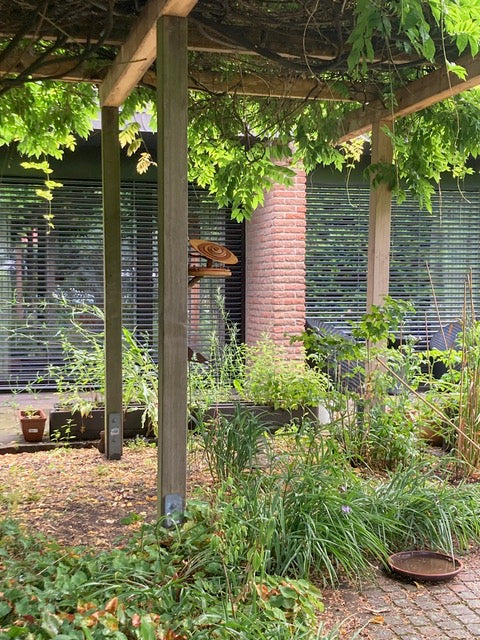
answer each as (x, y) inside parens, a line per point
(342, 372)
(444, 339)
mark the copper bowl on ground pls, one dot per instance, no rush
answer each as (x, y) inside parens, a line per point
(430, 566)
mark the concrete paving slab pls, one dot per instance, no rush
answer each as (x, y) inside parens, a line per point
(396, 609)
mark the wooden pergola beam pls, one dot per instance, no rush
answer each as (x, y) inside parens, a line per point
(198, 40)
(431, 89)
(64, 69)
(241, 84)
(139, 50)
(273, 87)
(282, 44)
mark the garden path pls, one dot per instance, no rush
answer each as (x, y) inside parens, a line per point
(391, 609)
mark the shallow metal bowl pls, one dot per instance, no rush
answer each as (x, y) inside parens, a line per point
(425, 565)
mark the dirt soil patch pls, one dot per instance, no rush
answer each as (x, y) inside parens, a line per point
(78, 497)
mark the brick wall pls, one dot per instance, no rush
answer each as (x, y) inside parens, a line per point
(275, 269)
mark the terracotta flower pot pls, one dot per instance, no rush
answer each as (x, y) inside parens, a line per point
(33, 424)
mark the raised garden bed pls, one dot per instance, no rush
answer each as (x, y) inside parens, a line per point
(273, 418)
(65, 425)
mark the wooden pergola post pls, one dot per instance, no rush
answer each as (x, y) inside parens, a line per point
(172, 265)
(112, 283)
(378, 272)
(132, 61)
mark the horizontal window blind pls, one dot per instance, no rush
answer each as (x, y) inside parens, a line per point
(336, 253)
(215, 303)
(432, 255)
(39, 266)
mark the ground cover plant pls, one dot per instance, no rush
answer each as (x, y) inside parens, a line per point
(313, 514)
(273, 518)
(256, 547)
(163, 585)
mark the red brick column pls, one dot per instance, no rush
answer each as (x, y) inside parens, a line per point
(275, 274)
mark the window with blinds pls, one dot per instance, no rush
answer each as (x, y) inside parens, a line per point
(40, 266)
(432, 255)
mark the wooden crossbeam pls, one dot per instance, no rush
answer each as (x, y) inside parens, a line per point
(242, 84)
(421, 93)
(273, 87)
(285, 45)
(431, 89)
(54, 67)
(139, 50)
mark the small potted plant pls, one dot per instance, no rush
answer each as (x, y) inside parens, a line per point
(33, 423)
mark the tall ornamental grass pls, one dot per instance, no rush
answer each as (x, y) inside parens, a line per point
(312, 514)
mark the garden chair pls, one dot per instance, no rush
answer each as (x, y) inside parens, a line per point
(342, 372)
(445, 339)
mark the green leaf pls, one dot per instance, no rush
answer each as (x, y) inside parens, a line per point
(134, 146)
(474, 45)
(428, 49)
(52, 184)
(147, 629)
(5, 608)
(288, 592)
(129, 134)
(50, 623)
(17, 632)
(457, 69)
(44, 193)
(86, 631)
(39, 166)
(462, 42)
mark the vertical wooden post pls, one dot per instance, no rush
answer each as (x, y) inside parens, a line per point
(112, 283)
(172, 267)
(379, 222)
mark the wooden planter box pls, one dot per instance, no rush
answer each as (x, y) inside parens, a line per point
(272, 418)
(65, 425)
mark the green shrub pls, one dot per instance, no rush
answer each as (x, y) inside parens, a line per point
(318, 516)
(231, 444)
(371, 398)
(213, 382)
(274, 379)
(80, 380)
